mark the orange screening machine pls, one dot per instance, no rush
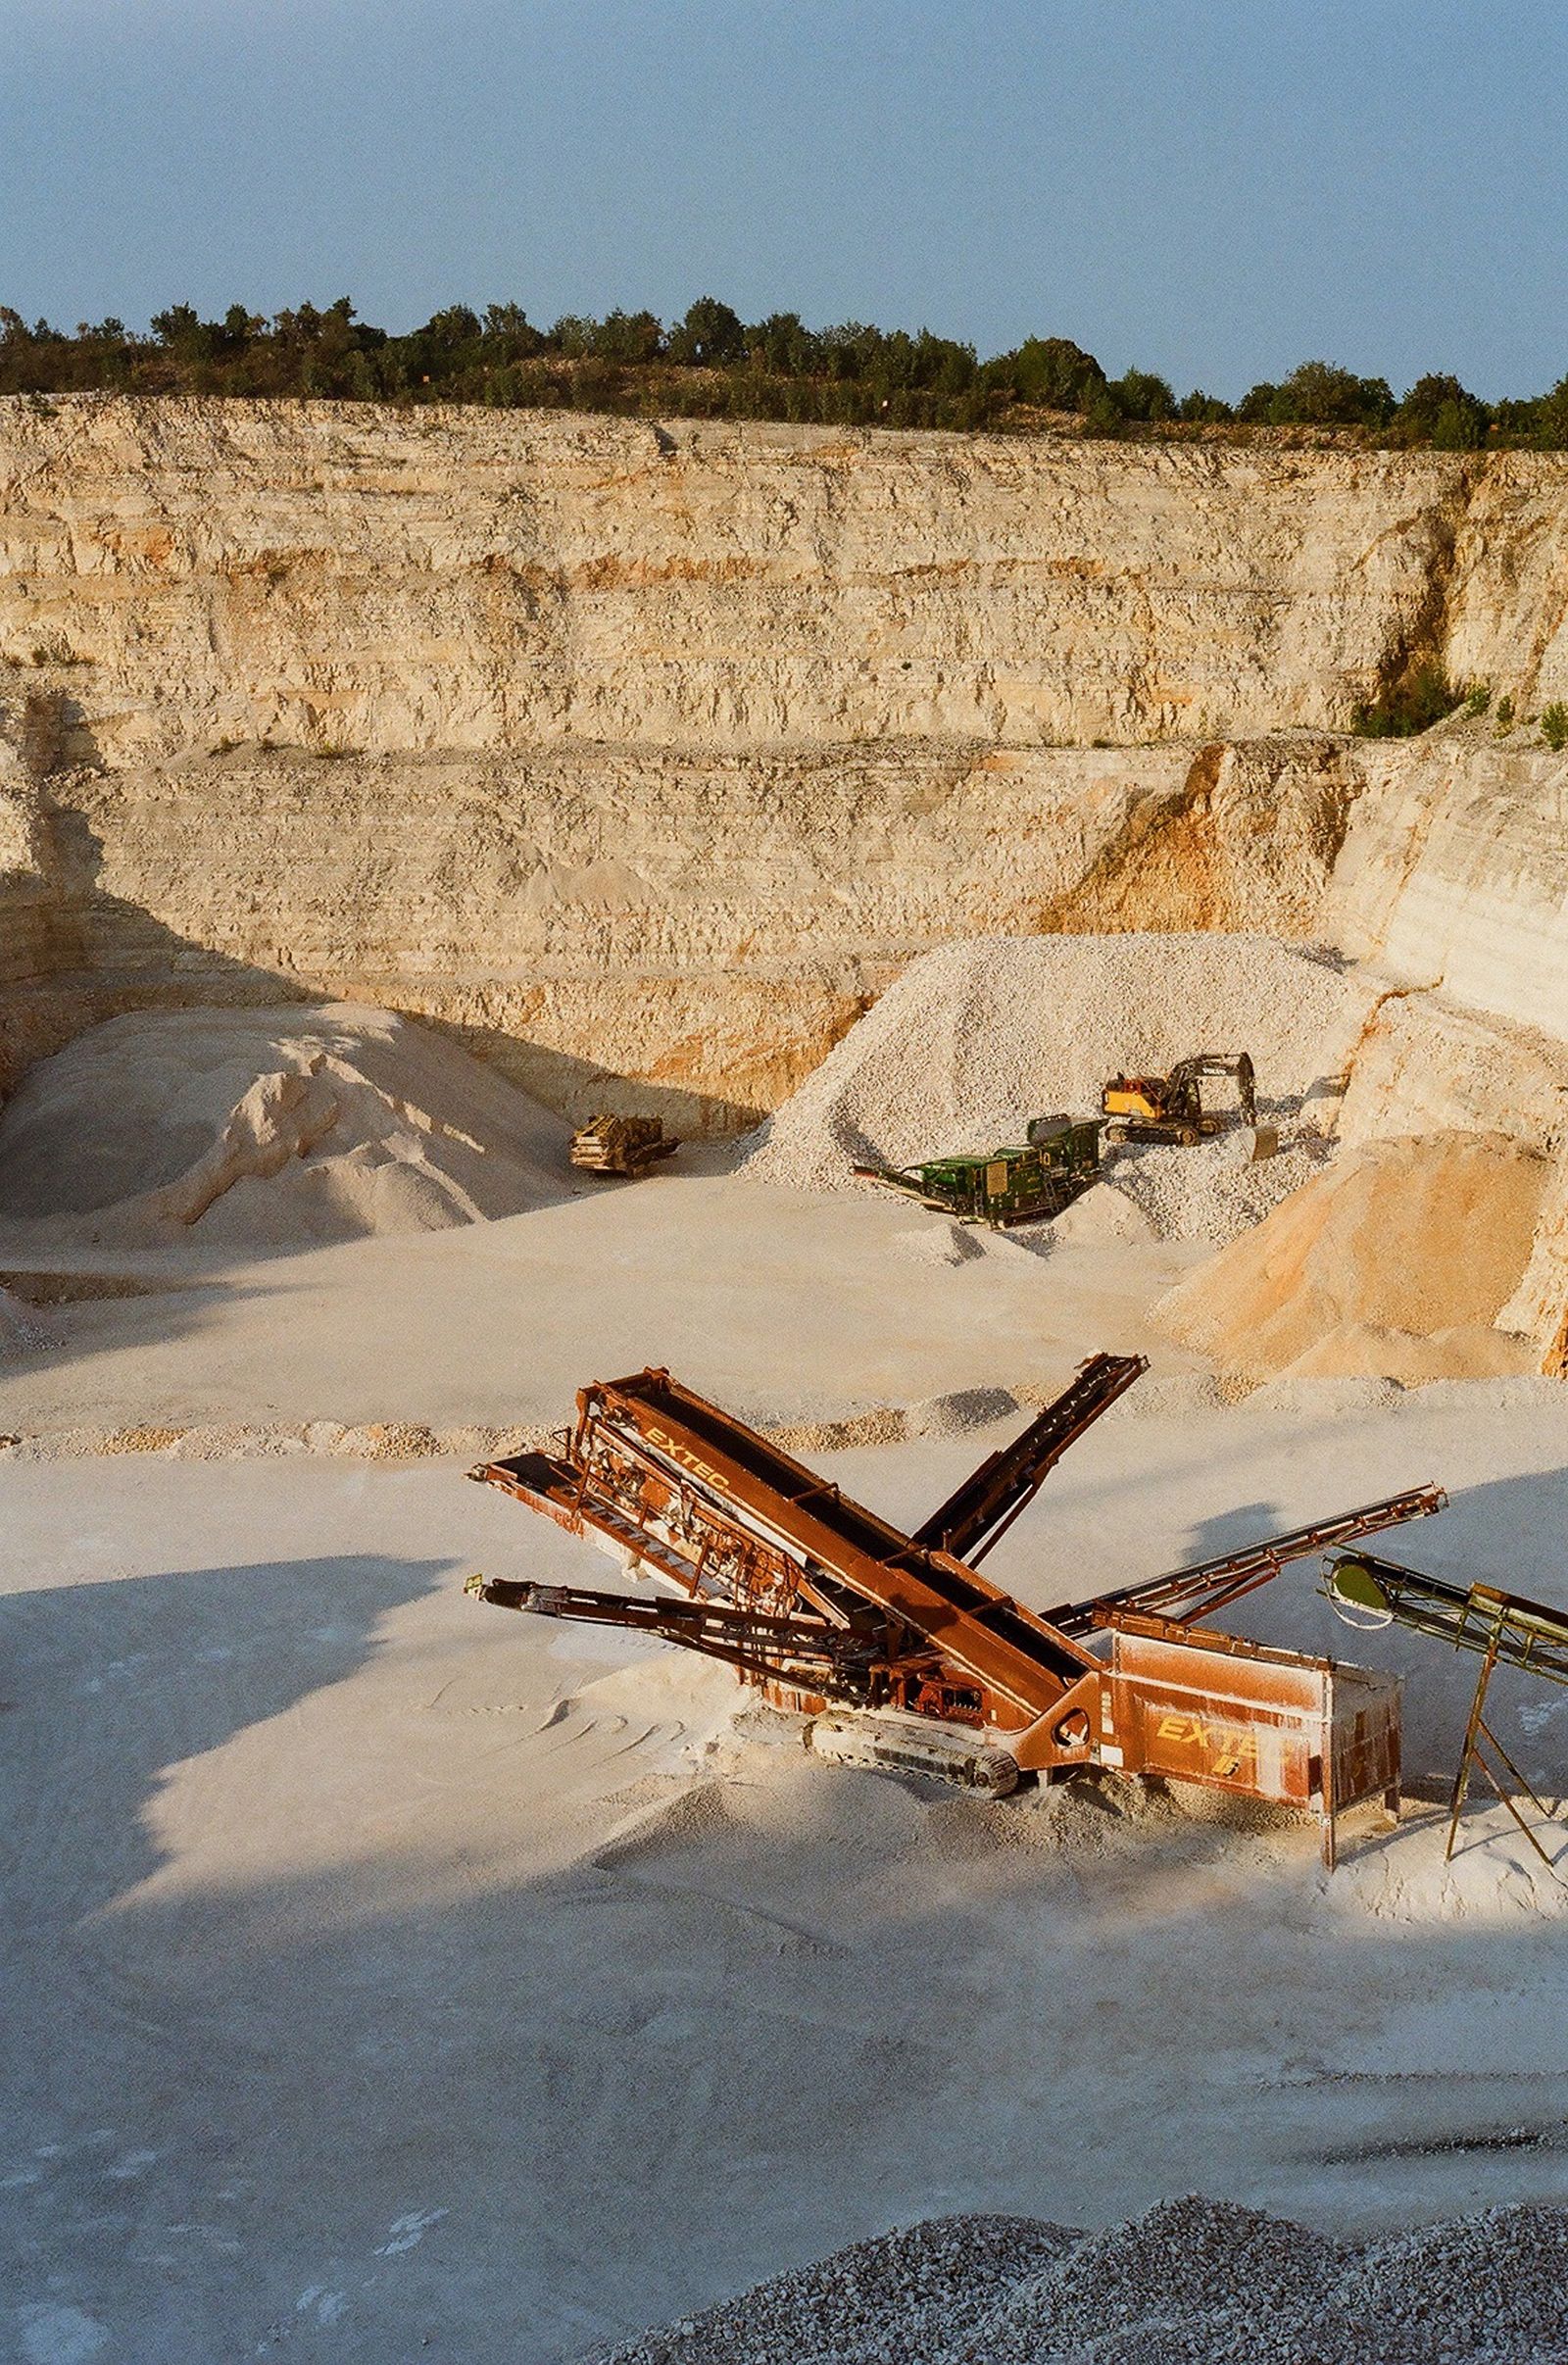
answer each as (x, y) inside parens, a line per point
(899, 1649)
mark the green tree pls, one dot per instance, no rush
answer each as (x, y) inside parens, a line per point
(1199, 409)
(1408, 705)
(784, 345)
(1438, 411)
(1050, 372)
(179, 327)
(510, 332)
(709, 337)
(1256, 406)
(1550, 416)
(1103, 414)
(631, 338)
(1139, 395)
(1320, 395)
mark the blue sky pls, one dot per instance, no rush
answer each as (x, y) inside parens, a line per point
(1212, 189)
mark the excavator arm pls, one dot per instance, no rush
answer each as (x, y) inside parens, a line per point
(1236, 1064)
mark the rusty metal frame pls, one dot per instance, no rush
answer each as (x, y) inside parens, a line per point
(799, 1587)
(1209, 1586)
(978, 1514)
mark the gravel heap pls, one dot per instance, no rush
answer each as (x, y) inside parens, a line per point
(1213, 1192)
(921, 2294)
(1191, 2283)
(977, 1037)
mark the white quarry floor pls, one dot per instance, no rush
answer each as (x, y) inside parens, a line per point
(774, 1301)
(388, 1976)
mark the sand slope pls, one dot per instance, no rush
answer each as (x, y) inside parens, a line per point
(269, 1128)
(1396, 1260)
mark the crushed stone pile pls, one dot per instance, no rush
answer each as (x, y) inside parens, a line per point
(267, 1128)
(1214, 1190)
(1396, 1261)
(1194, 2282)
(975, 1038)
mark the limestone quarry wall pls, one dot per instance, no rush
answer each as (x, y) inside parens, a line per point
(327, 576)
(648, 752)
(709, 926)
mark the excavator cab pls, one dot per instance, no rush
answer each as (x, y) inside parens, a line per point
(1170, 1108)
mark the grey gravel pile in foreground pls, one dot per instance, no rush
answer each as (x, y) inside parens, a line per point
(1193, 2282)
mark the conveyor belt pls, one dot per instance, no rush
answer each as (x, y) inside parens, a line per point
(976, 1627)
(1505, 1626)
(978, 1514)
(1188, 1595)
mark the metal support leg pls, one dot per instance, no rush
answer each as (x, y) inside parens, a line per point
(1467, 1755)
(1331, 1802)
(1478, 1739)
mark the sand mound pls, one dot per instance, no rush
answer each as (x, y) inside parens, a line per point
(938, 1242)
(1104, 1218)
(975, 1038)
(1396, 1261)
(21, 1331)
(263, 1128)
(1194, 2282)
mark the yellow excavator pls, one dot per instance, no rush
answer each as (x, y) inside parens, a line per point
(1170, 1108)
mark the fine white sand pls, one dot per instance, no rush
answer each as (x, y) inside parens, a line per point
(265, 1128)
(784, 1305)
(387, 1975)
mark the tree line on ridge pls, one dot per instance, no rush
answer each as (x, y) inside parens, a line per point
(714, 365)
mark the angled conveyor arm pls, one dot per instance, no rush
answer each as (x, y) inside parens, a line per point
(784, 1649)
(1502, 1629)
(978, 1514)
(647, 1437)
(1505, 1626)
(1188, 1595)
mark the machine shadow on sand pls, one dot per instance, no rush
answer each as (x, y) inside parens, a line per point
(73, 1652)
(1439, 1683)
(623, 2038)
(615, 2042)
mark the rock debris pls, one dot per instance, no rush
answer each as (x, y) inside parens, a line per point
(1193, 2282)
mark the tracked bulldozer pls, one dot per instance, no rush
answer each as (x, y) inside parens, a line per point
(620, 1145)
(1170, 1108)
(903, 1656)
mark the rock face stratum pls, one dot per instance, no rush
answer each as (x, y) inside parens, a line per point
(644, 756)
